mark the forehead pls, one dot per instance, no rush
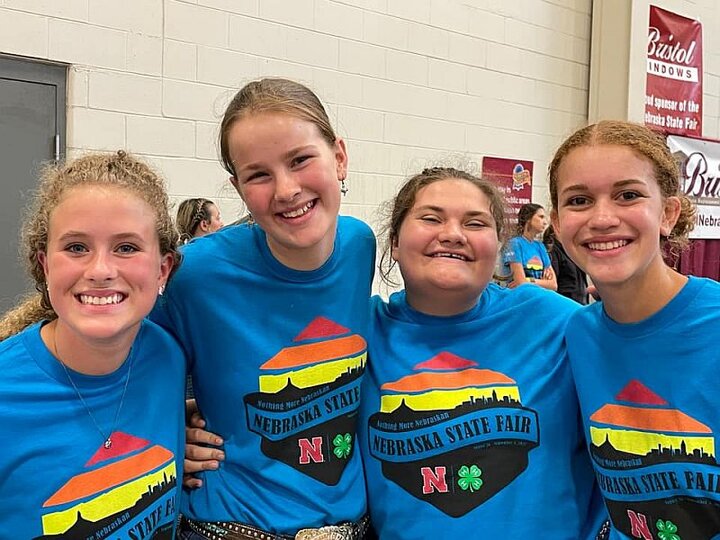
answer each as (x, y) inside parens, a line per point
(455, 192)
(267, 129)
(101, 206)
(602, 165)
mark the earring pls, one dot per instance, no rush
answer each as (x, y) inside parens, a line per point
(343, 187)
(161, 289)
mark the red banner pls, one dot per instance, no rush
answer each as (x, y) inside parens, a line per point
(514, 178)
(673, 96)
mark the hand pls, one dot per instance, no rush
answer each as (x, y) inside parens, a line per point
(199, 455)
(548, 273)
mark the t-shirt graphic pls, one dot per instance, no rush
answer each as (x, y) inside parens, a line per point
(656, 467)
(127, 491)
(534, 268)
(306, 408)
(452, 434)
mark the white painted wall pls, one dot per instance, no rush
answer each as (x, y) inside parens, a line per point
(409, 83)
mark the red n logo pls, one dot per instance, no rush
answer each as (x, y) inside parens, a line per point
(639, 527)
(433, 480)
(311, 450)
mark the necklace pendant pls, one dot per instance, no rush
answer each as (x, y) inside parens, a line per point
(108, 443)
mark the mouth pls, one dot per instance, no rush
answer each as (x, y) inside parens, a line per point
(304, 209)
(606, 246)
(448, 255)
(92, 300)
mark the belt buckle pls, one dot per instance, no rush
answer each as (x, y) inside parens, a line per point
(329, 532)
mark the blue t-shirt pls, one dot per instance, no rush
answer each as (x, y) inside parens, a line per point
(277, 360)
(651, 412)
(532, 255)
(470, 424)
(58, 480)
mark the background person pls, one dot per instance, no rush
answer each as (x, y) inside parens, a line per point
(197, 217)
(91, 397)
(571, 280)
(525, 258)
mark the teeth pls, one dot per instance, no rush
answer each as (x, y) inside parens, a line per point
(300, 211)
(451, 256)
(604, 246)
(101, 300)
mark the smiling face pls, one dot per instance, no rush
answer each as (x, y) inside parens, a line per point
(446, 247)
(611, 214)
(103, 264)
(288, 175)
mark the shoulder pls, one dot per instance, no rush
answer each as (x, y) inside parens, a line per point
(154, 337)
(533, 298)
(15, 346)
(355, 228)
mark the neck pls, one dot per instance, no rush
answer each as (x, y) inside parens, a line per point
(529, 236)
(447, 305)
(84, 356)
(631, 302)
(307, 258)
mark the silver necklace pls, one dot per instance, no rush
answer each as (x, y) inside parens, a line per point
(107, 444)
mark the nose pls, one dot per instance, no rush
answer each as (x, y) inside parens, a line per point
(100, 267)
(286, 187)
(603, 216)
(452, 232)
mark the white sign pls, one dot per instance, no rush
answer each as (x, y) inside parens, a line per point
(700, 177)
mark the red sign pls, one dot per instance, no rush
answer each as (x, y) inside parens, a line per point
(673, 96)
(514, 178)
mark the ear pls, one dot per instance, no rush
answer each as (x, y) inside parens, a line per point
(204, 225)
(670, 215)
(555, 222)
(166, 264)
(236, 184)
(394, 252)
(341, 159)
(42, 259)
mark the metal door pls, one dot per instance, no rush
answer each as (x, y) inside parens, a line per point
(32, 132)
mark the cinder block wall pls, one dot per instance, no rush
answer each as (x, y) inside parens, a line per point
(409, 83)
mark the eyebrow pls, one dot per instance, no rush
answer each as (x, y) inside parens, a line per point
(619, 183)
(71, 235)
(286, 155)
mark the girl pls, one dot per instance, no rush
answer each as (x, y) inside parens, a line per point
(469, 421)
(526, 259)
(197, 217)
(91, 395)
(643, 358)
(273, 317)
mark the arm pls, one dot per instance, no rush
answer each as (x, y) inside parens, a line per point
(548, 281)
(198, 455)
(518, 274)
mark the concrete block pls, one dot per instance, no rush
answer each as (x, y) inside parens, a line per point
(160, 136)
(312, 48)
(77, 87)
(194, 101)
(78, 43)
(251, 36)
(391, 32)
(138, 16)
(242, 7)
(23, 33)
(196, 24)
(225, 68)
(363, 124)
(67, 9)
(179, 60)
(144, 54)
(298, 13)
(206, 140)
(447, 75)
(407, 67)
(415, 10)
(338, 19)
(424, 132)
(362, 58)
(428, 40)
(125, 92)
(93, 129)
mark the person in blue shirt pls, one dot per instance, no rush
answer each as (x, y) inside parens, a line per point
(525, 258)
(469, 422)
(645, 358)
(91, 397)
(272, 314)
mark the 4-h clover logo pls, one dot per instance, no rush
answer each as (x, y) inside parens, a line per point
(667, 530)
(470, 478)
(343, 445)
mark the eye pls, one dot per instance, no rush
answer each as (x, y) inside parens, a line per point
(76, 248)
(577, 200)
(127, 249)
(630, 195)
(256, 176)
(476, 224)
(429, 218)
(299, 160)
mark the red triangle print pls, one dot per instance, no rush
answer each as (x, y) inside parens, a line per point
(446, 360)
(122, 443)
(320, 327)
(637, 392)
